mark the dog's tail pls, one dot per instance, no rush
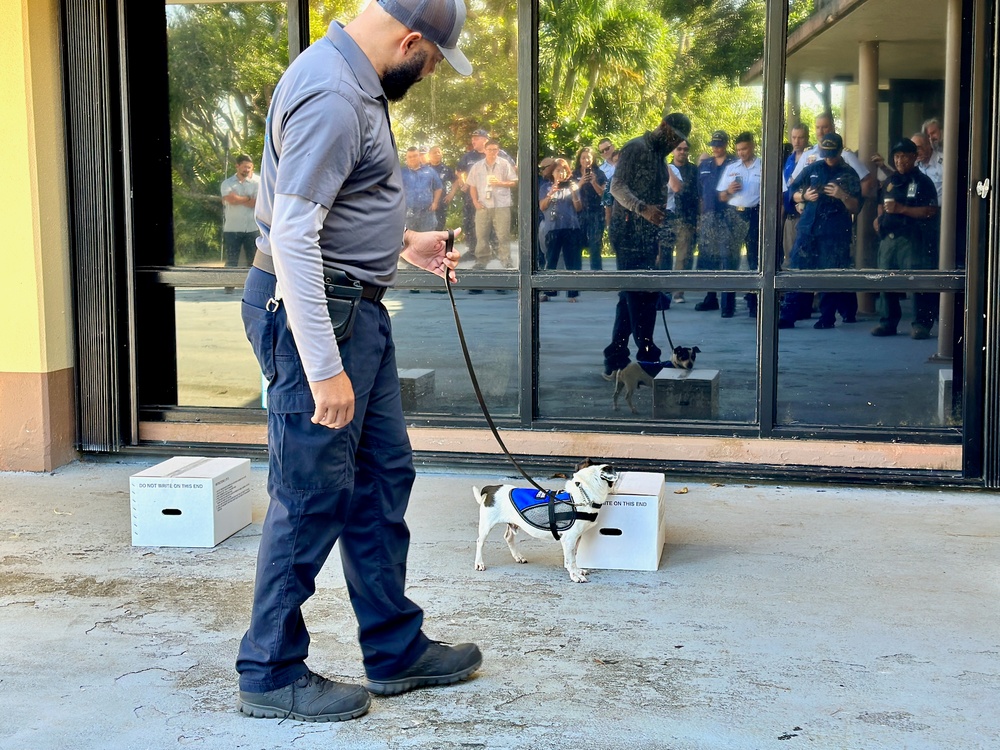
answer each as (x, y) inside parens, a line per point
(613, 377)
(477, 494)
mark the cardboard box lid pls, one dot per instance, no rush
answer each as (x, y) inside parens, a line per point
(638, 483)
(192, 467)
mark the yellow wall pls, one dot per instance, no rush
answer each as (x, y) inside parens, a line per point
(37, 384)
(36, 335)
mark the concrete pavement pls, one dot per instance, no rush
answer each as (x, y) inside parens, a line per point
(780, 617)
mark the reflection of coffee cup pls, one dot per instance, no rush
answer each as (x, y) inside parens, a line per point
(887, 202)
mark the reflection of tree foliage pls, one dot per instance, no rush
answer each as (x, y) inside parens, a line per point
(224, 60)
(610, 67)
(606, 67)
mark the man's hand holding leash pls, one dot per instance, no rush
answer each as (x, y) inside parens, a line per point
(428, 250)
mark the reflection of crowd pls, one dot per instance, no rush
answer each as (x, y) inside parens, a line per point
(705, 213)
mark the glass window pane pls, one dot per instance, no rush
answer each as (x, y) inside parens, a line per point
(433, 374)
(608, 72)
(576, 339)
(215, 364)
(223, 62)
(882, 369)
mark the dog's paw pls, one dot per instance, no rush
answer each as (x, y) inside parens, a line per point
(520, 559)
(578, 576)
(480, 566)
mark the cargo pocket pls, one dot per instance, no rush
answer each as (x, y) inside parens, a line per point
(259, 327)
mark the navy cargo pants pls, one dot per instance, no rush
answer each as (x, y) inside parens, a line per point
(349, 486)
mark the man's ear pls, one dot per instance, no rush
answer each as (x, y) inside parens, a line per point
(411, 40)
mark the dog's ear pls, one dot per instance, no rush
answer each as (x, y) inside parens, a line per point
(584, 464)
(678, 350)
(695, 350)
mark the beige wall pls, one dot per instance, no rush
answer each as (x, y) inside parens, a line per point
(36, 340)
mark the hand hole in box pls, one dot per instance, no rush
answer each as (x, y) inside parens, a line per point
(171, 511)
(611, 532)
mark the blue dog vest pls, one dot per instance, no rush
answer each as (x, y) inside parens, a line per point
(534, 507)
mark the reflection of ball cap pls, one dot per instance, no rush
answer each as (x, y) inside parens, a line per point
(548, 161)
(440, 21)
(719, 138)
(831, 145)
(905, 145)
(680, 123)
(481, 133)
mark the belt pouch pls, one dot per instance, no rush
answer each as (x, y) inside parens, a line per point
(343, 295)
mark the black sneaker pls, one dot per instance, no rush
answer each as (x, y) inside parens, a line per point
(309, 698)
(707, 304)
(440, 664)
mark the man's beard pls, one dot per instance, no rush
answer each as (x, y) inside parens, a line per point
(397, 81)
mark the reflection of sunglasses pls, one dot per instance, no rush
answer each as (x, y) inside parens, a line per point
(604, 148)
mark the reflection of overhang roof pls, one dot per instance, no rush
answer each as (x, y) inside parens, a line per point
(910, 34)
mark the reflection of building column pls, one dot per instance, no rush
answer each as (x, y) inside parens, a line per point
(793, 111)
(867, 145)
(949, 189)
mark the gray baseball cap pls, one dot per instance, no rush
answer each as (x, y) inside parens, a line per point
(440, 21)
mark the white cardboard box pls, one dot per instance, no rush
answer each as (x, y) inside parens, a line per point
(631, 526)
(190, 502)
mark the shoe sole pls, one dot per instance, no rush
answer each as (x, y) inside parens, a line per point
(395, 687)
(270, 712)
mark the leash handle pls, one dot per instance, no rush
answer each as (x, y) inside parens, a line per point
(449, 244)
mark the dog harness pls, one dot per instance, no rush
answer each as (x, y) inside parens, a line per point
(549, 511)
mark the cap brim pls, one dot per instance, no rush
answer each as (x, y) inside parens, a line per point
(457, 59)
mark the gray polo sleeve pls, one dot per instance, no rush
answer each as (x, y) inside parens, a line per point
(298, 266)
(321, 144)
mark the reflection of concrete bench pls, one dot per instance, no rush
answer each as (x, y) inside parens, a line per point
(945, 414)
(686, 394)
(414, 384)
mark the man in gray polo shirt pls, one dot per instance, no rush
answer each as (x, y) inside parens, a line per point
(340, 464)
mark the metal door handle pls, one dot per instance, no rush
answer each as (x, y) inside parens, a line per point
(983, 187)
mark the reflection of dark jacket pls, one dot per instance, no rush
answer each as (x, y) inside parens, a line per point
(911, 189)
(642, 168)
(823, 234)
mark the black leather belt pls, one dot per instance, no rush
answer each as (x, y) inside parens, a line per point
(265, 263)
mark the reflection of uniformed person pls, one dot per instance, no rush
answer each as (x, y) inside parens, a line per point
(639, 189)
(712, 234)
(905, 226)
(831, 193)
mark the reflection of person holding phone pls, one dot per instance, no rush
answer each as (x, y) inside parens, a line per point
(561, 203)
(591, 181)
(831, 192)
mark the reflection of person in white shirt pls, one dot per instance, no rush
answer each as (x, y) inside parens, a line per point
(822, 127)
(490, 181)
(739, 189)
(239, 198)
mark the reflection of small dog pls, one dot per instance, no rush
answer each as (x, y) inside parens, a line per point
(587, 489)
(632, 375)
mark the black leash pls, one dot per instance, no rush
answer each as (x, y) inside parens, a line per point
(663, 317)
(549, 494)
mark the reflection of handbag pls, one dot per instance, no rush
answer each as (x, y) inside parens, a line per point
(342, 297)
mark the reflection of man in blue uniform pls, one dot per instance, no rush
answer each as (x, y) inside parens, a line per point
(423, 189)
(713, 231)
(339, 459)
(906, 228)
(831, 192)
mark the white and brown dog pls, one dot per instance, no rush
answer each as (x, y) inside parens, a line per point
(633, 375)
(573, 512)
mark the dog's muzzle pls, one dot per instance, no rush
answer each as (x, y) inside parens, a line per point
(609, 475)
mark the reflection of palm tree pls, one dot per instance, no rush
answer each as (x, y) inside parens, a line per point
(595, 38)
